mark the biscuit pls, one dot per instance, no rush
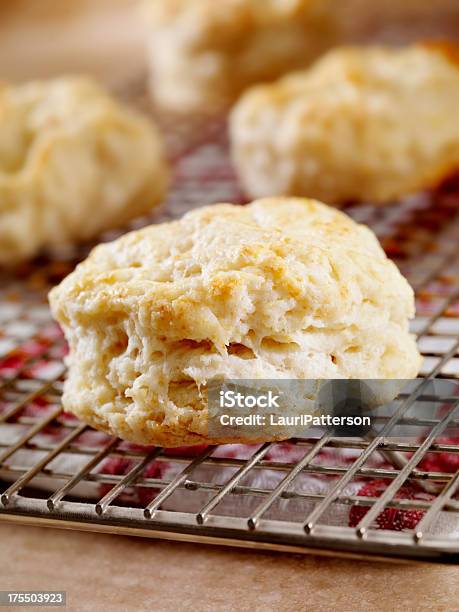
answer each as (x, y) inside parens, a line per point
(203, 53)
(73, 162)
(363, 124)
(281, 288)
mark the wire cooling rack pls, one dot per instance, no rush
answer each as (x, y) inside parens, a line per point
(385, 497)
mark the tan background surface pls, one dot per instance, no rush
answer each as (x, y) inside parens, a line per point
(40, 38)
(100, 572)
(104, 572)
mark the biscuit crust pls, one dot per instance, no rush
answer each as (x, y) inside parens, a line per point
(281, 288)
(73, 162)
(204, 53)
(363, 124)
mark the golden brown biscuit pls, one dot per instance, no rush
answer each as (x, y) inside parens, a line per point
(279, 289)
(203, 53)
(368, 123)
(73, 162)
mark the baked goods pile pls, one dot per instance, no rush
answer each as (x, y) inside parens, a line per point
(281, 288)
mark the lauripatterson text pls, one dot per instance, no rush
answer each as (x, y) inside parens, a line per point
(299, 420)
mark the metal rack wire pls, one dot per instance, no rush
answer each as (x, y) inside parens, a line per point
(55, 471)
